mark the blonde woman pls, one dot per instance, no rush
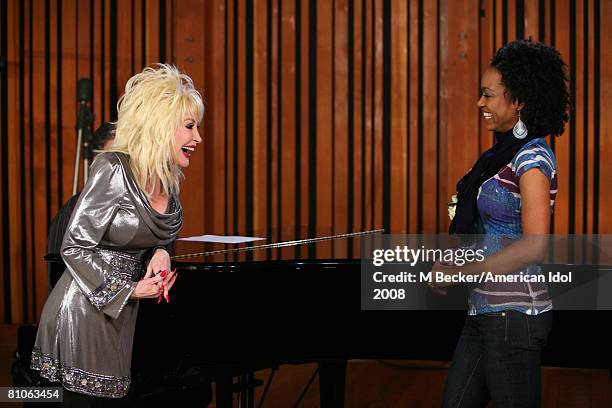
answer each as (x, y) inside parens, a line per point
(128, 210)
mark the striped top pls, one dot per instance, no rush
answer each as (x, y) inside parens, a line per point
(499, 205)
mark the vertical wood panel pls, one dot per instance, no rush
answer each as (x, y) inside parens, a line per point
(561, 217)
(273, 117)
(241, 101)
(368, 116)
(69, 59)
(413, 115)
(83, 22)
(214, 125)
(589, 164)
(3, 166)
(578, 151)
(605, 188)
(260, 136)
(324, 110)
(188, 47)
(230, 114)
(488, 28)
(287, 182)
(52, 120)
(532, 19)
(137, 36)
(430, 118)
(189, 52)
(463, 116)
(27, 153)
(108, 70)
(377, 114)
(499, 23)
(4, 136)
(340, 136)
(214, 122)
(97, 60)
(358, 107)
(152, 25)
(303, 123)
(549, 21)
(38, 149)
(445, 189)
(512, 19)
(53, 110)
(13, 198)
(399, 151)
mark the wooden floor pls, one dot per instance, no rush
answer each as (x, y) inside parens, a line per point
(8, 345)
(389, 384)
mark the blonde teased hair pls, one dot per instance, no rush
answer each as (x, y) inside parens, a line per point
(155, 103)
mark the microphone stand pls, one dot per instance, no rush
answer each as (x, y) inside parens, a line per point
(84, 122)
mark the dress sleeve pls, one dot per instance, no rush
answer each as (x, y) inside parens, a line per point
(107, 288)
(535, 157)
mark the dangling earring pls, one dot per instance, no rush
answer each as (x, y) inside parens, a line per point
(520, 130)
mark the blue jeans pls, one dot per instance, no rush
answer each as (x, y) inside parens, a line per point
(498, 358)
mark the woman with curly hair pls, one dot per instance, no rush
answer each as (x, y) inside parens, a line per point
(508, 197)
(128, 211)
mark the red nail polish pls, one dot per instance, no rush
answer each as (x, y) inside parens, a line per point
(167, 298)
(164, 273)
(159, 299)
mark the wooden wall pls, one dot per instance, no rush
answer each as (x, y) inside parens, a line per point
(327, 115)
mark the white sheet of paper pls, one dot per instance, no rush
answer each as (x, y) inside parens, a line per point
(221, 239)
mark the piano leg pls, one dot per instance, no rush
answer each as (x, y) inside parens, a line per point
(247, 394)
(223, 390)
(332, 377)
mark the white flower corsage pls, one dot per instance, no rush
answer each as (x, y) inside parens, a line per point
(452, 206)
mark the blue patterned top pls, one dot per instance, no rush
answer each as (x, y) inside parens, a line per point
(499, 205)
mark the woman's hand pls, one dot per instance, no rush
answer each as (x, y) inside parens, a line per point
(160, 261)
(168, 283)
(159, 266)
(155, 286)
(441, 287)
(148, 287)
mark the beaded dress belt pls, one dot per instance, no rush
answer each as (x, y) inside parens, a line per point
(126, 265)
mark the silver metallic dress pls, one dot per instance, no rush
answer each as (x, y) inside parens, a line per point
(87, 325)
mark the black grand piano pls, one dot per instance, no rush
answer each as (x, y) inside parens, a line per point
(234, 313)
(237, 313)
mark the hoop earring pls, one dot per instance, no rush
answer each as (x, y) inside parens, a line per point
(520, 130)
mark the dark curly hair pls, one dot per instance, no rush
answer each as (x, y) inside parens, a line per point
(102, 134)
(534, 74)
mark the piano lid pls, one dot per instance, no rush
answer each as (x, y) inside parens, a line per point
(289, 243)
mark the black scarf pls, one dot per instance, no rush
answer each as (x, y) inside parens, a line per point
(488, 164)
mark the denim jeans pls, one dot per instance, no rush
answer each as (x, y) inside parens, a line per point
(498, 358)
